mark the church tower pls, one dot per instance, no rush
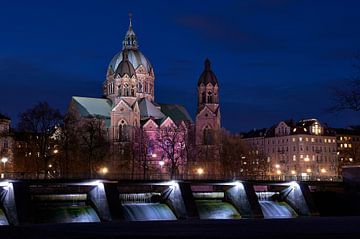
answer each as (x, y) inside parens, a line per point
(208, 117)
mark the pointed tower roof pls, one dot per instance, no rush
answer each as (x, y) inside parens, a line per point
(125, 66)
(130, 41)
(207, 76)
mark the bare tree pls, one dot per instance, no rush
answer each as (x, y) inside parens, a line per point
(143, 144)
(93, 142)
(171, 140)
(38, 123)
(347, 95)
(68, 143)
(238, 159)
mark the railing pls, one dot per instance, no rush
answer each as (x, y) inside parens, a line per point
(164, 176)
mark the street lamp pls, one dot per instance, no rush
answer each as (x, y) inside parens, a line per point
(200, 171)
(4, 161)
(104, 170)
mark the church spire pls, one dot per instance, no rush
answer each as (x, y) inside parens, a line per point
(130, 42)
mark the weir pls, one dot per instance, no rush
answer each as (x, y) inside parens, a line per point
(145, 207)
(27, 202)
(212, 205)
(272, 207)
(63, 208)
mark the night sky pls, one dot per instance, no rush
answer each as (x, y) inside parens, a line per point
(274, 59)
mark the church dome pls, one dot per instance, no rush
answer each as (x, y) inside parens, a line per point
(136, 58)
(125, 66)
(207, 76)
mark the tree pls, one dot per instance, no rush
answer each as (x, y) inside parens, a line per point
(38, 123)
(171, 140)
(347, 96)
(239, 159)
(143, 148)
(93, 143)
(68, 143)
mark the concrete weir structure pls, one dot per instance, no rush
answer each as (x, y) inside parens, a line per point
(48, 201)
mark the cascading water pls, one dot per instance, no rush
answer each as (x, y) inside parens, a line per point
(3, 219)
(272, 208)
(61, 209)
(216, 209)
(140, 207)
(210, 205)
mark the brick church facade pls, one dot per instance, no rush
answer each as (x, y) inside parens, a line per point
(166, 136)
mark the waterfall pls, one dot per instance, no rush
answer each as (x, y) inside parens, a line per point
(145, 207)
(63, 208)
(3, 219)
(272, 208)
(216, 209)
(147, 212)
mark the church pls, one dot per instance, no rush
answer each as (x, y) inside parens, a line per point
(128, 106)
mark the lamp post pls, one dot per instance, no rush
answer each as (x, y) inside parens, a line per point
(4, 161)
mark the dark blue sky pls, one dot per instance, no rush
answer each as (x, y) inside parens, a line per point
(274, 59)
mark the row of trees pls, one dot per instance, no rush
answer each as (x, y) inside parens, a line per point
(52, 145)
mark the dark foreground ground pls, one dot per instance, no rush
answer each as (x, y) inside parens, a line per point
(340, 227)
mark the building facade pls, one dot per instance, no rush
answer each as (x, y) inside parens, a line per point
(131, 116)
(6, 145)
(306, 149)
(348, 146)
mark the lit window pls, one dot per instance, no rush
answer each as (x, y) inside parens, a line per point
(316, 129)
(300, 139)
(312, 140)
(301, 156)
(293, 139)
(307, 139)
(294, 157)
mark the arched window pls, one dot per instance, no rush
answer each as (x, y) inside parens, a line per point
(210, 97)
(127, 90)
(123, 131)
(203, 97)
(120, 90)
(208, 136)
(132, 90)
(139, 87)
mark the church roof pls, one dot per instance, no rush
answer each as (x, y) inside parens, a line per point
(207, 76)
(125, 66)
(176, 112)
(98, 107)
(148, 109)
(92, 107)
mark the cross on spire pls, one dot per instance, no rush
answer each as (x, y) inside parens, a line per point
(130, 20)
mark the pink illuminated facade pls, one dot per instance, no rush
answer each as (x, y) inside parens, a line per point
(164, 134)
